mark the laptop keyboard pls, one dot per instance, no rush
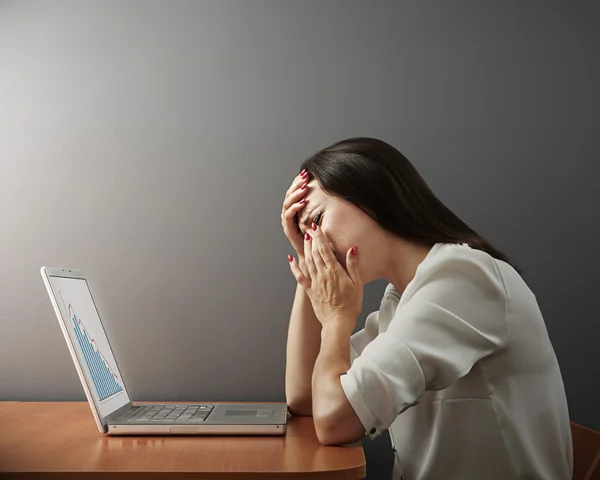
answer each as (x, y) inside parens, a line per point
(166, 413)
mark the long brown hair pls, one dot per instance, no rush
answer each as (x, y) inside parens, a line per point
(382, 182)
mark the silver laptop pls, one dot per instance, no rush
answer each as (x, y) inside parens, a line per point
(104, 387)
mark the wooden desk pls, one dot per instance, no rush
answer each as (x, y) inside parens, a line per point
(60, 440)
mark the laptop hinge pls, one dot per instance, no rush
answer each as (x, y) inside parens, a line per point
(117, 413)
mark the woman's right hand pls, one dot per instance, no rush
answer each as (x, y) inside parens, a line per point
(292, 204)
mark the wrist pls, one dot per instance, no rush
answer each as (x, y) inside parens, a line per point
(337, 326)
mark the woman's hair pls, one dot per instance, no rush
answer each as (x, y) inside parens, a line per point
(382, 182)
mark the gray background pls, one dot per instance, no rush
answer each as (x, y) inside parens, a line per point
(151, 144)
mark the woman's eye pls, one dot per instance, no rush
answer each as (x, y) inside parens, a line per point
(318, 218)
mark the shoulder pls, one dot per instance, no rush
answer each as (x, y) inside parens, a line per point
(453, 273)
(451, 261)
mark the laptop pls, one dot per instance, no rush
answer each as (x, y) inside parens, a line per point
(105, 389)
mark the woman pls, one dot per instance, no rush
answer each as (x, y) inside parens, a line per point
(456, 362)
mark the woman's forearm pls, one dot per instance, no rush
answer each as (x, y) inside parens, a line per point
(303, 344)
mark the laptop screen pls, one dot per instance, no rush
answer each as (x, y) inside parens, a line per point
(90, 343)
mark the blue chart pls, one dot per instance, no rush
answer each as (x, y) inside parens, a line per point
(103, 377)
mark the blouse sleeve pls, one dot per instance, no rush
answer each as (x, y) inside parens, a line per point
(455, 317)
(360, 339)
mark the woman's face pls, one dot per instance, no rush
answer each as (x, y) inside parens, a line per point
(343, 224)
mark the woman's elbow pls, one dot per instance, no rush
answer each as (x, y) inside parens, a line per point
(300, 407)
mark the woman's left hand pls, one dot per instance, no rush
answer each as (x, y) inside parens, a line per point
(336, 293)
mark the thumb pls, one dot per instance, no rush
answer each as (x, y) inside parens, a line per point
(352, 264)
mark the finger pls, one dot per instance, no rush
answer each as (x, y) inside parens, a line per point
(295, 196)
(302, 265)
(324, 248)
(290, 227)
(296, 184)
(298, 275)
(298, 180)
(316, 251)
(308, 258)
(289, 214)
(352, 265)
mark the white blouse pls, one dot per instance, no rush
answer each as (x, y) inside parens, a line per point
(462, 372)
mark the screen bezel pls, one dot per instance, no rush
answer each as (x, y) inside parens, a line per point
(48, 272)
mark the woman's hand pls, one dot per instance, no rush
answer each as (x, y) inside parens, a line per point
(336, 293)
(292, 204)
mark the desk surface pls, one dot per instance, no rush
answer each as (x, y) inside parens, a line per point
(61, 440)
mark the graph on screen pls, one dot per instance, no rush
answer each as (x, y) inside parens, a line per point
(105, 380)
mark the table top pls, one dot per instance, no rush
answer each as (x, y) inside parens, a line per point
(61, 438)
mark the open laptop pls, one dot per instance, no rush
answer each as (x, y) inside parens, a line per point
(104, 387)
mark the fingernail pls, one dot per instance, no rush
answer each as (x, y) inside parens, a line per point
(306, 236)
(303, 187)
(314, 226)
(354, 250)
(302, 201)
(290, 258)
(303, 172)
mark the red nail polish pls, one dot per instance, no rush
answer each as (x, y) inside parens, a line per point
(303, 187)
(302, 201)
(306, 236)
(303, 172)
(314, 226)
(354, 250)
(290, 258)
